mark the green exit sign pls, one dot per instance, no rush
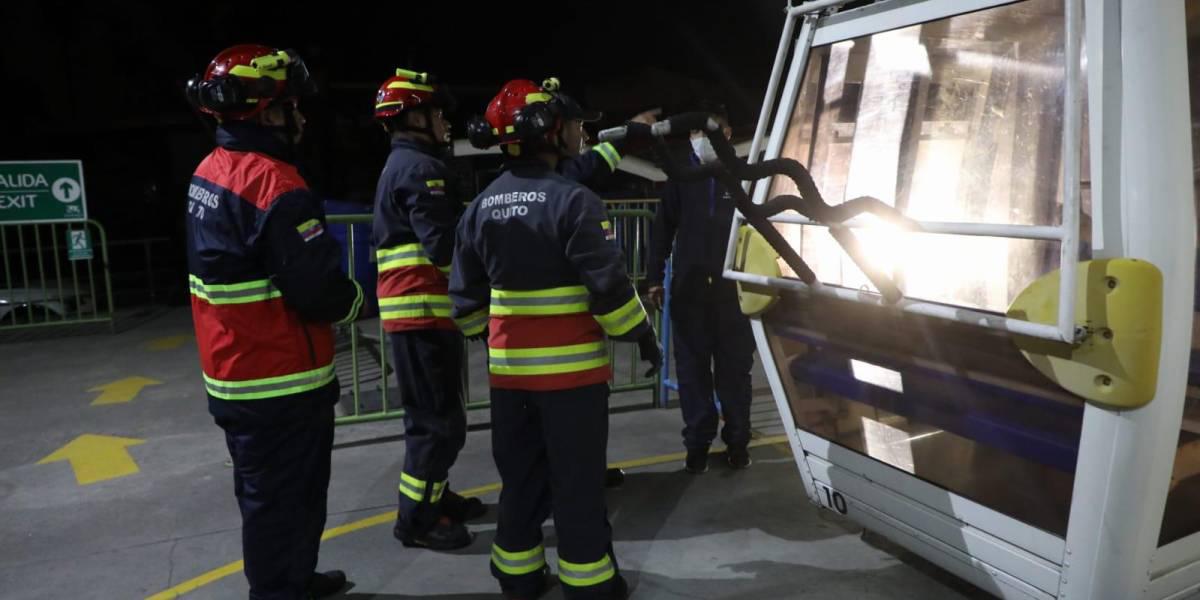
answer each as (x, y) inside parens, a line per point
(42, 191)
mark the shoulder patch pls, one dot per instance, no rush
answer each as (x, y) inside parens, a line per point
(310, 230)
(610, 233)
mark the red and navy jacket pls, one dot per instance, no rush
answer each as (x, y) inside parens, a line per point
(415, 216)
(266, 282)
(535, 265)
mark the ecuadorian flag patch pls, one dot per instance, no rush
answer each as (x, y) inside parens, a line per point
(310, 230)
(610, 234)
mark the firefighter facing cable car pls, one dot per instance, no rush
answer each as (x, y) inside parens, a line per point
(535, 269)
(415, 215)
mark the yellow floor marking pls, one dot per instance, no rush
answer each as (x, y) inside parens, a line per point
(167, 343)
(97, 457)
(389, 516)
(122, 390)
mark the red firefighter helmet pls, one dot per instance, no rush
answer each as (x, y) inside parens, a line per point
(408, 90)
(244, 80)
(522, 112)
(525, 111)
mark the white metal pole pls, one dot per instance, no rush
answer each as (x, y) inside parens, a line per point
(1071, 152)
(907, 305)
(768, 104)
(1002, 230)
(1103, 31)
(814, 6)
(790, 90)
(1126, 458)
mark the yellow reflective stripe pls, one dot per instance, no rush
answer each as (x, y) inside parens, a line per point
(435, 183)
(355, 307)
(405, 85)
(519, 563)
(415, 306)
(415, 488)
(622, 320)
(405, 255)
(474, 323)
(269, 387)
(416, 76)
(309, 224)
(250, 72)
(386, 104)
(547, 360)
(609, 153)
(553, 301)
(257, 290)
(585, 574)
(537, 97)
(445, 269)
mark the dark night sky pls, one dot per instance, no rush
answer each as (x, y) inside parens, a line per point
(102, 81)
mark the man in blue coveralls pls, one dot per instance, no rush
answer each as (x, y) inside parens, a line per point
(714, 347)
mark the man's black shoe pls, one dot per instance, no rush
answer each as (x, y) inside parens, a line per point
(322, 585)
(613, 478)
(697, 461)
(543, 586)
(739, 458)
(460, 508)
(446, 535)
(620, 588)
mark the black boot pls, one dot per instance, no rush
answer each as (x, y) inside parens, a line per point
(322, 585)
(445, 535)
(738, 457)
(460, 508)
(613, 478)
(697, 461)
(538, 591)
(620, 588)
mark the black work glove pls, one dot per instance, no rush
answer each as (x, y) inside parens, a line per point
(650, 351)
(637, 137)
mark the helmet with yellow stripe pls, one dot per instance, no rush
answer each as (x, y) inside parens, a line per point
(524, 111)
(247, 79)
(408, 90)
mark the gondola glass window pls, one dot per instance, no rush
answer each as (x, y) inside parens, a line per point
(1181, 517)
(955, 120)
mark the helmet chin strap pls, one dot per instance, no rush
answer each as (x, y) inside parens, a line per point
(427, 130)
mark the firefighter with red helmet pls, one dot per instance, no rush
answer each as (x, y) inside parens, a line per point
(589, 165)
(266, 289)
(416, 211)
(536, 269)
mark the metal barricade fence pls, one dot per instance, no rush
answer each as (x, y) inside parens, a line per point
(55, 274)
(363, 359)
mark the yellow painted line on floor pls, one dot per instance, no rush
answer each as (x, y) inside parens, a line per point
(390, 516)
(167, 343)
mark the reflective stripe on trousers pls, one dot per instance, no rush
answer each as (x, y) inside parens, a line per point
(415, 488)
(518, 563)
(585, 574)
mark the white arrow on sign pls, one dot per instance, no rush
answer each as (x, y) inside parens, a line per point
(65, 190)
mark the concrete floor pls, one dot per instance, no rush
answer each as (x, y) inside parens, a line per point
(725, 534)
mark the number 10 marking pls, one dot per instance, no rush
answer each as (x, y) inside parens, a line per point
(830, 498)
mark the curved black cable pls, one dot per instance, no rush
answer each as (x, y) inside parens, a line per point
(731, 171)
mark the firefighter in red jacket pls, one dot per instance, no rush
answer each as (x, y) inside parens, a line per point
(416, 211)
(266, 287)
(536, 269)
